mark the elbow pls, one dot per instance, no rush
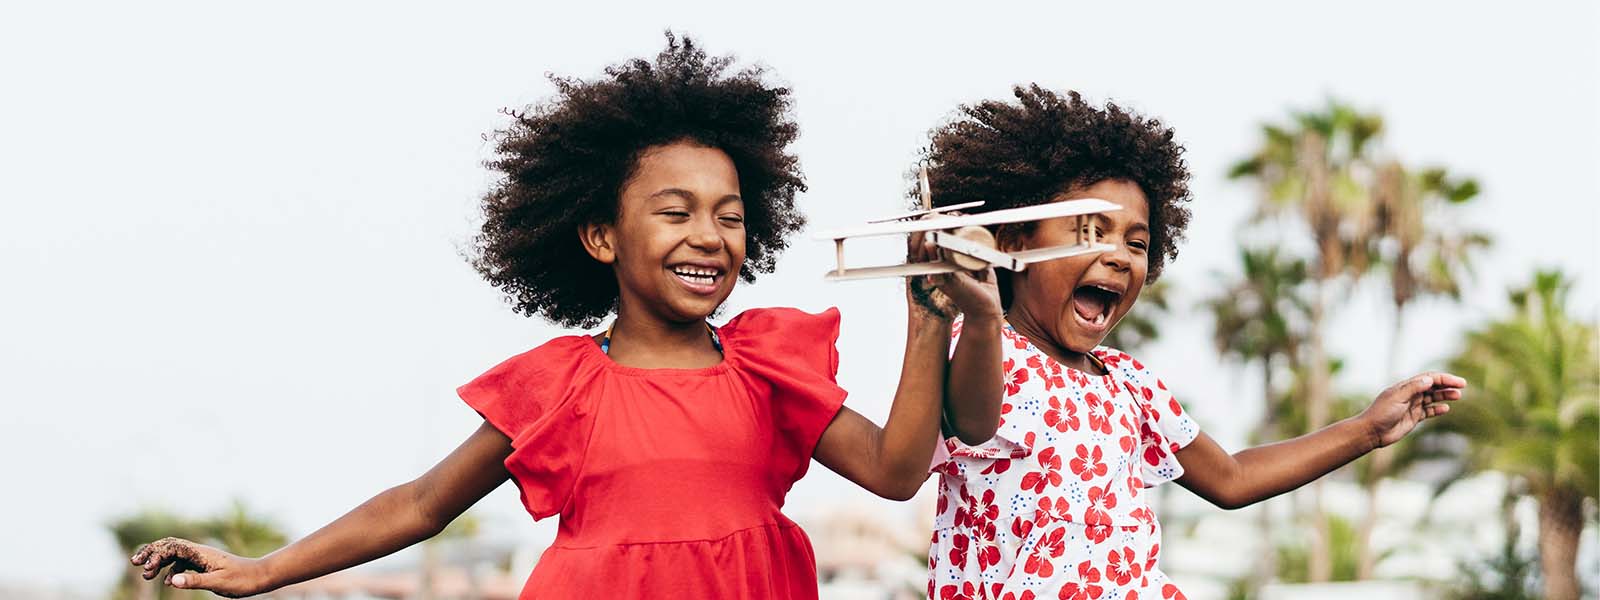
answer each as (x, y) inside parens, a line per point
(973, 432)
(901, 488)
(426, 519)
(1230, 503)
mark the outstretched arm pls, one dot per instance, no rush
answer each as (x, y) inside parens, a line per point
(399, 517)
(1253, 475)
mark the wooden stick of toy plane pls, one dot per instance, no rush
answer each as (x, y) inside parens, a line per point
(965, 242)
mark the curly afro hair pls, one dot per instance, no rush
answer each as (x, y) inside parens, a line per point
(1025, 153)
(563, 164)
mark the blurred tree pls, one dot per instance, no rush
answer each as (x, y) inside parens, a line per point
(1259, 318)
(1317, 168)
(1534, 414)
(1426, 255)
(242, 533)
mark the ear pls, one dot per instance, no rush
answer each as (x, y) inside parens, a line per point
(599, 240)
(1010, 237)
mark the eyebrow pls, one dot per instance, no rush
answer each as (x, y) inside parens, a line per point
(1145, 227)
(688, 195)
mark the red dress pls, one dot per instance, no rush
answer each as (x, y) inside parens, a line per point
(669, 481)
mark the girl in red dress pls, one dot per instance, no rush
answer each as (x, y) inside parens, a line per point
(665, 445)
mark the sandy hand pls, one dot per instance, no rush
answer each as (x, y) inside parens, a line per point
(200, 567)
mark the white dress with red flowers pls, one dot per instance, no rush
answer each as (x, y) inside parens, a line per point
(1053, 506)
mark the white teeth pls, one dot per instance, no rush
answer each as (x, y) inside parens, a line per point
(696, 276)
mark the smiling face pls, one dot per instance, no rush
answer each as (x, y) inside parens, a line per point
(1074, 302)
(678, 241)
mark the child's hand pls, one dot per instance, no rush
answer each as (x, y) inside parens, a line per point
(200, 567)
(1400, 408)
(973, 293)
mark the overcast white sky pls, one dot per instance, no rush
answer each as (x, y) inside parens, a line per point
(229, 236)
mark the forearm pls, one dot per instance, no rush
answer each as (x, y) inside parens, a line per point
(378, 527)
(975, 381)
(1266, 471)
(906, 444)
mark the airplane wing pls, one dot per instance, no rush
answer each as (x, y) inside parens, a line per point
(1036, 212)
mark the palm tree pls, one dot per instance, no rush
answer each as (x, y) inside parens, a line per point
(1317, 168)
(1259, 317)
(1430, 257)
(1138, 327)
(1534, 414)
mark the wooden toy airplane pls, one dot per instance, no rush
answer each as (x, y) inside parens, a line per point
(965, 243)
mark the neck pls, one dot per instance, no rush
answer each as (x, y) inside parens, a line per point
(1032, 328)
(641, 338)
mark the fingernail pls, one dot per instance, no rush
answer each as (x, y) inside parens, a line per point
(179, 580)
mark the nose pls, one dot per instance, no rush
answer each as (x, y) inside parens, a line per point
(704, 235)
(1118, 258)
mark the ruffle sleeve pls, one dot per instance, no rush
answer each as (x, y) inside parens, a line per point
(534, 399)
(1165, 427)
(789, 356)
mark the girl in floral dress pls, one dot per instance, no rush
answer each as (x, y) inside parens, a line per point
(664, 445)
(1054, 505)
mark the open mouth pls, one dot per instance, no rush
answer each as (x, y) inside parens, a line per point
(1093, 303)
(699, 279)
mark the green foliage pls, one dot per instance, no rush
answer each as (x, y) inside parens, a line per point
(1534, 380)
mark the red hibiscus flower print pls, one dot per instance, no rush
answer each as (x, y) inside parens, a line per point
(1048, 371)
(1015, 377)
(1123, 567)
(1062, 417)
(950, 592)
(1170, 592)
(988, 548)
(981, 508)
(1048, 475)
(1153, 452)
(1052, 511)
(997, 467)
(1050, 546)
(1020, 527)
(1150, 561)
(1089, 463)
(1177, 409)
(1026, 595)
(958, 550)
(1101, 502)
(1078, 378)
(1087, 587)
(1099, 412)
